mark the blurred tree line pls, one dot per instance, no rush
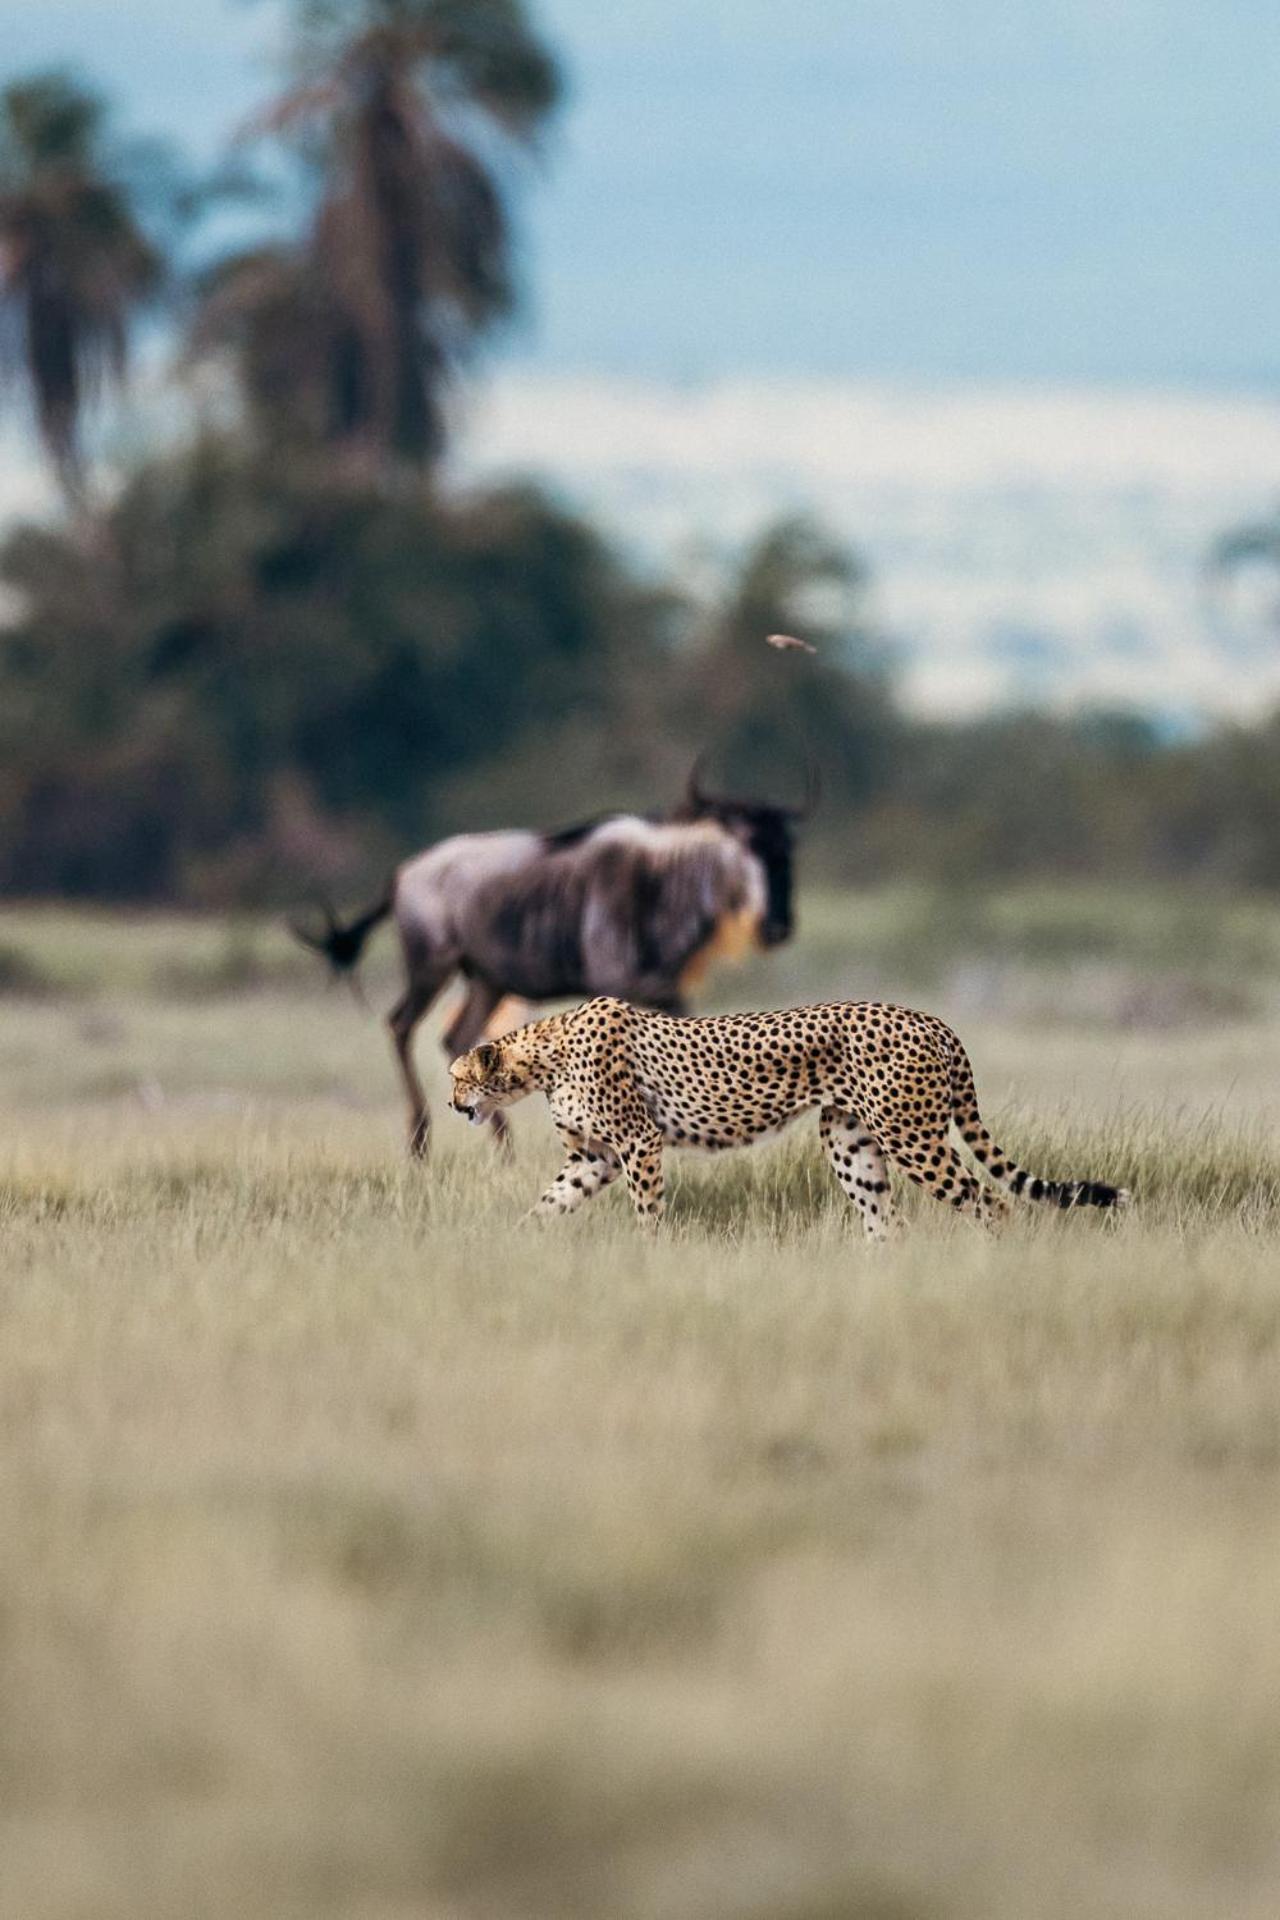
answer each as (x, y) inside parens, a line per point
(283, 652)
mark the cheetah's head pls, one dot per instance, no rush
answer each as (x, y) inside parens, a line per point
(492, 1075)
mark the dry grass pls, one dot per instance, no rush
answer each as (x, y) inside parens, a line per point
(362, 1555)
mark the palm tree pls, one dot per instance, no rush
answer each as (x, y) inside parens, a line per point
(75, 262)
(766, 709)
(407, 114)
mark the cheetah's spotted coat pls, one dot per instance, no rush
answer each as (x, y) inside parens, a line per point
(624, 1083)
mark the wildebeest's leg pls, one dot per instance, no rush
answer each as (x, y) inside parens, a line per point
(859, 1166)
(641, 1158)
(403, 1020)
(466, 1027)
(510, 1013)
(586, 1170)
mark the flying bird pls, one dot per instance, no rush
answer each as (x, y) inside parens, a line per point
(787, 642)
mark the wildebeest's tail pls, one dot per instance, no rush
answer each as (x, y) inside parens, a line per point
(342, 946)
(1005, 1172)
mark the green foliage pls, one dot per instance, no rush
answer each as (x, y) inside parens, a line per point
(239, 658)
(1020, 795)
(249, 679)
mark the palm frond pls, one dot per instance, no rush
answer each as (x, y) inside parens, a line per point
(76, 260)
(409, 259)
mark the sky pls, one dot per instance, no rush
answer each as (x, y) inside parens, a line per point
(990, 285)
(1050, 190)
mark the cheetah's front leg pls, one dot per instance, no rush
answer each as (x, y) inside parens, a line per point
(585, 1172)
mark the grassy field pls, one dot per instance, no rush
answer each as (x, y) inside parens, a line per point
(364, 1554)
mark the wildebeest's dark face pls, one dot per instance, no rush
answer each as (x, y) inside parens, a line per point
(769, 834)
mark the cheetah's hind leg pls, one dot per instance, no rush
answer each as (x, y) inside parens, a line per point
(938, 1168)
(641, 1158)
(859, 1166)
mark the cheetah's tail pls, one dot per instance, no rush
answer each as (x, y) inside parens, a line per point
(1004, 1171)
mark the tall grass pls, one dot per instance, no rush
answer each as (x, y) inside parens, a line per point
(363, 1553)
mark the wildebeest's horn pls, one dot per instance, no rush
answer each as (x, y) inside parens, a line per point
(319, 943)
(300, 933)
(701, 797)
(812, 793)
(696, 793)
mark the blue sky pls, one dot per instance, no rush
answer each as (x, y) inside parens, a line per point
(1036, 190)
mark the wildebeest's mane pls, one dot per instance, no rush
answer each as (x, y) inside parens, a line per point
(617, 911)
(561, 837)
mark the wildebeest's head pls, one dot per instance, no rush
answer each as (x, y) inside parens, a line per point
(767, 832)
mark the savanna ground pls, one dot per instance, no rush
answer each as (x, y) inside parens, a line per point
(364, 1554)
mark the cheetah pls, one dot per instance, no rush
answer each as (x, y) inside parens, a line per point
(889, 1085)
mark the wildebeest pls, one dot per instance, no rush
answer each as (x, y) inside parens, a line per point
(625, 904)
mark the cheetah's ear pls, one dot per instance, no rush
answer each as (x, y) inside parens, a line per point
(487, 1057)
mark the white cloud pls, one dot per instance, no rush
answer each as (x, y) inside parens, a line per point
(1026, 544)
(877, 434)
